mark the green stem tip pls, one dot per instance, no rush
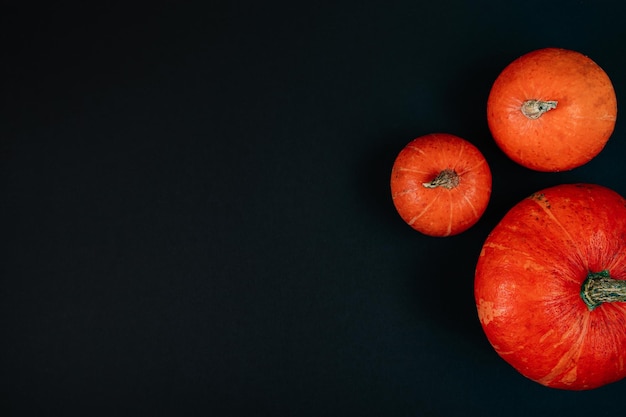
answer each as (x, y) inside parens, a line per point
(600, 287)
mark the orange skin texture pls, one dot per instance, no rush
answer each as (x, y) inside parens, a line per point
(563, 138)
(528, 282)
(440, 211)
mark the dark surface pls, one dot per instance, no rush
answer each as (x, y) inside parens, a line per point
(196, 216)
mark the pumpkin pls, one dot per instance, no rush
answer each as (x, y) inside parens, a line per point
(550, 287)
(440, 184)
(552, 110)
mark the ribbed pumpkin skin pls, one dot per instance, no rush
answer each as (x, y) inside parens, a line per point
(528, 282)
(440, 211)
(565, 137)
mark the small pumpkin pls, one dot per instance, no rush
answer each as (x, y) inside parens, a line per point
(550, 287)
(552, 110)
(440, 184)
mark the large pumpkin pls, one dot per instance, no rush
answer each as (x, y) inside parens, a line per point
(550, 285)
(552, 109)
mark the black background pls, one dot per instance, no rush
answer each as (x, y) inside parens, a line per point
(195, 210)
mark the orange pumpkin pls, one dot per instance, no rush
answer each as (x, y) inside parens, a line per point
(550, 287)
(552, 110)
(440, 184)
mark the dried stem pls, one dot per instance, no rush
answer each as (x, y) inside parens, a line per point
(447, 178)
(533, 109)
(600, 288)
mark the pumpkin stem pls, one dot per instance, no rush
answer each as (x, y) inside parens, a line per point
(600, 288)
(533, 109)
(448, 178)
